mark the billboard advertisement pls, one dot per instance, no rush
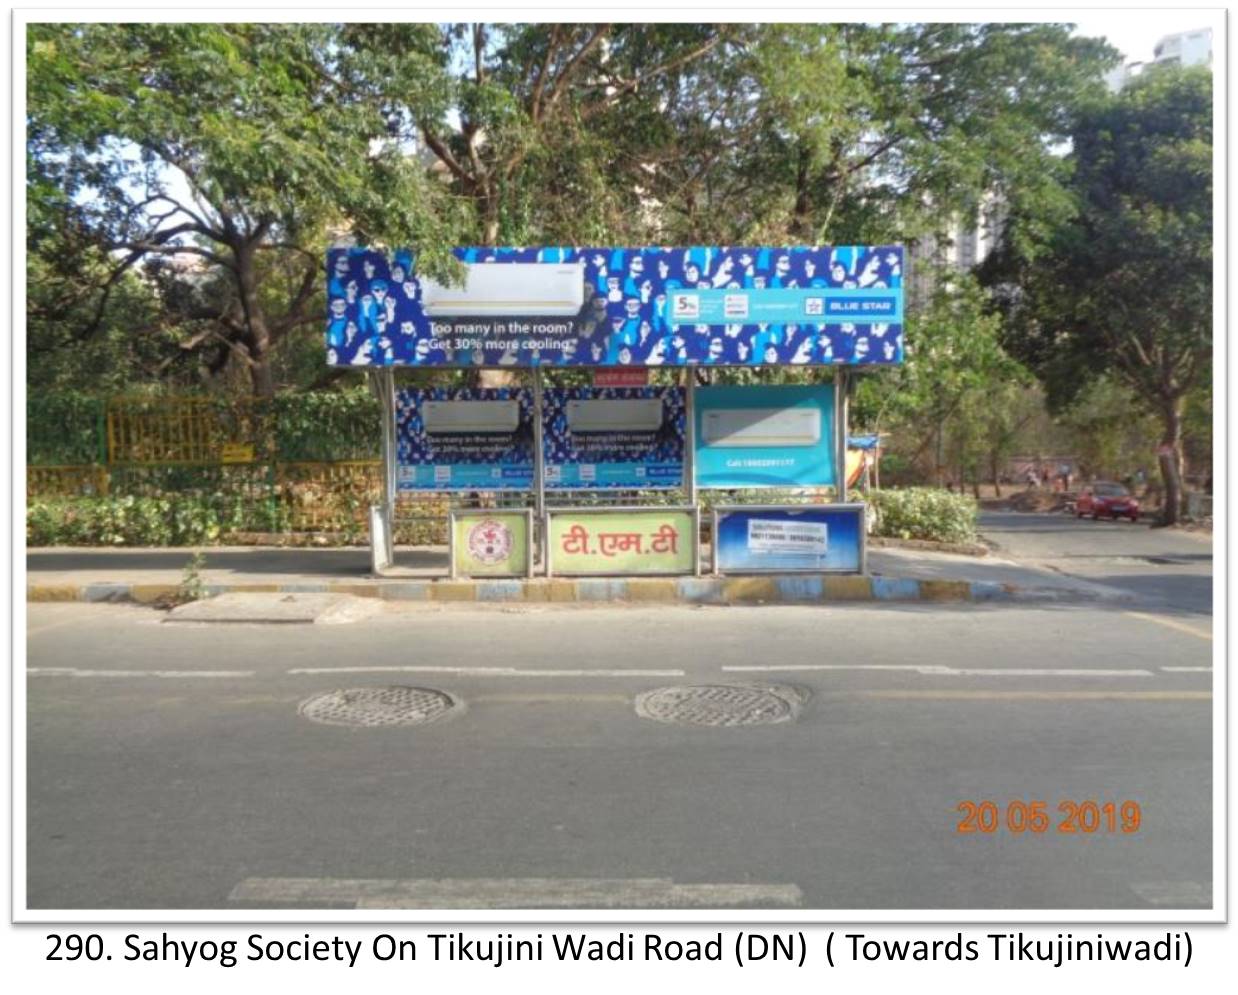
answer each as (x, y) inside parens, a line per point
(620, 307)
(782, 538)
(754, 436)
(598, 437)
(491, 543)
(464, 439)
(601, 542)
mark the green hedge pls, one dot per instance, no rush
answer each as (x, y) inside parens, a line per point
(925, 513)
(186, 520)
(64, 429)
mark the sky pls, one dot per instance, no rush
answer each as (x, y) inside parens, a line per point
(1133, 33)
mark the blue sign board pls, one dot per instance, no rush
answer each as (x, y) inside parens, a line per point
(462, 439)
(615, 307)
(785, 538)
(598, 437)
(755, 436)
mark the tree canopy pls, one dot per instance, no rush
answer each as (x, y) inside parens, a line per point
(1122, 288)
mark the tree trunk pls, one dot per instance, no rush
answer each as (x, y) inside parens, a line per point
(258, 336)
(994, 463)
(1170, 458)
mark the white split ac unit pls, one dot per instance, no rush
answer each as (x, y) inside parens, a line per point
(443, 417)
(642, 414)
(516, 289)
(731, 428)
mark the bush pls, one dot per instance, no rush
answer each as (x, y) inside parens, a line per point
(186, 520)
(925, 513)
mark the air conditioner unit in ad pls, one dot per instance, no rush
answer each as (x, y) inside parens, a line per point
(443, 417)
(516, 289)
(732, 428)
(642, 414)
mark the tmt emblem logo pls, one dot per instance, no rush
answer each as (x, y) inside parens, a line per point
(490, 542)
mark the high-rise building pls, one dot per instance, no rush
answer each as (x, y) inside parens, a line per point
(1186, 48)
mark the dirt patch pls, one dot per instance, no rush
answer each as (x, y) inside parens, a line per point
(962, 548)
(1036, 499)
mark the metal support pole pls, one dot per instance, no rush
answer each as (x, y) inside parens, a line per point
(382, 531)
(689, 455)
(387, 388)
(539, 461)
(840, 434)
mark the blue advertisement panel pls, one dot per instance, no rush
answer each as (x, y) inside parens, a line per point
(464, 439)
(755, 436)
(598, 437)
(827, 538)
(615, 307)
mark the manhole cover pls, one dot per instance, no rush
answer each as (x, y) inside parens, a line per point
(719, 705)
(389, 706)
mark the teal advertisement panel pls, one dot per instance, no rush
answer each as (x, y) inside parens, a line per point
(765, 436)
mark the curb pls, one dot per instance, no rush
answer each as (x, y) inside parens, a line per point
(777, 589)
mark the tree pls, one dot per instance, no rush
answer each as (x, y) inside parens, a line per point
(235, 145)
(856, 132)
(1123, 288)
(533, 108)
(955, 367)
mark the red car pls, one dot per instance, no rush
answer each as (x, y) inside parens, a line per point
(1104, 499)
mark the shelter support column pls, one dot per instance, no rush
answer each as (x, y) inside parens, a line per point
(539, 466)
(689, 445)
(382, 516)
(840, 434)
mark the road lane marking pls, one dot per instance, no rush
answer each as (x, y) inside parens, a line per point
(531, 699)
(1187, 670)
(1182, 893)
(514, 893)
(75, 672)
(489, 671)
(935, 670)
(1034, 695)
(1171, 624)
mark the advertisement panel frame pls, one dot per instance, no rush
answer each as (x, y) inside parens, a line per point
(749, 397)
(720, 511)
(692, 510)
(410, 402)
(458, 515)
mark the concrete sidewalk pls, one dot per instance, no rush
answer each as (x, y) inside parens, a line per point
(148, 575)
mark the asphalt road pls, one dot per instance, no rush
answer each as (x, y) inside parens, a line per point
(168, 767)
(1169, 568)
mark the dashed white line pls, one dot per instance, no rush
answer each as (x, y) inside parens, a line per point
(487, 672)
(1189, 894)
(75, 672)
(1187, 670)
(934, 670)
(514, 893)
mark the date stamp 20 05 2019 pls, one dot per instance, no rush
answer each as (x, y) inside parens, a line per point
(1074, 817)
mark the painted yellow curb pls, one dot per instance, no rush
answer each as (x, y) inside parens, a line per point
(652, 589)
(52, 592)
(945, 590)
(145, 594)
(453, 590)
(848, 589)
(750, 589)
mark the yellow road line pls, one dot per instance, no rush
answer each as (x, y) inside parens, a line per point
(1171, 624)
(1036, 695)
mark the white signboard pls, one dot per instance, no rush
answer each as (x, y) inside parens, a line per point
(773, 536)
